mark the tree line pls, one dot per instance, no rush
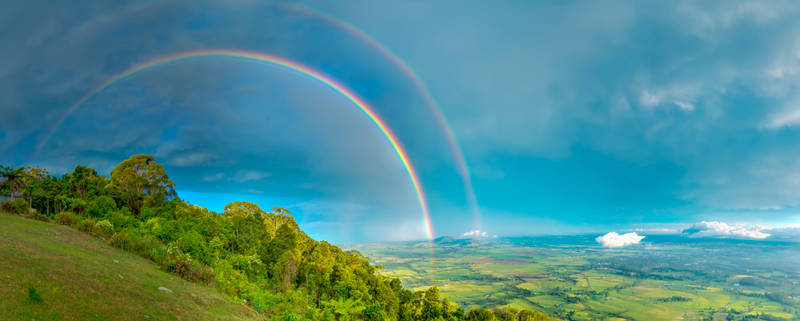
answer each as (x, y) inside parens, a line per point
(259, 256)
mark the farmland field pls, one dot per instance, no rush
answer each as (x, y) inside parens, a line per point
(665, 278)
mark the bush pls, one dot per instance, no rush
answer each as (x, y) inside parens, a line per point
(202, 273)
(151, 248)
(87, 226)
(122, 218)
(104, 227)
(33, 295)
(66, 218)
(122, 240)
(193, 243)
(178, 261)
(75, 204)
(102, 206)
(18, 206)
(35, 215)
(146, 213)
(289, 316)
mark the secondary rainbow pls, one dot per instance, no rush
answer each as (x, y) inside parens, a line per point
(455, 147)
(277, 61)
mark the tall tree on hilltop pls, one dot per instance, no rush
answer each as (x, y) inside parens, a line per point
(140, 181)
(245, 221)
(279, 216)
(243, 209)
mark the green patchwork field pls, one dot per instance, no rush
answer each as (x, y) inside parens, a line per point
(668, 278)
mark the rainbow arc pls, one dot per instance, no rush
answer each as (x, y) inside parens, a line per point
(276, 61)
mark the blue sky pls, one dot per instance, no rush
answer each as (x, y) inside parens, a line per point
(575, 116)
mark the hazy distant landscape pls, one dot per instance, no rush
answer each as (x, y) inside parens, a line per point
(664, 278)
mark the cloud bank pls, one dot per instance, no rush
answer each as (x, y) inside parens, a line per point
(725, 230)
(785, 233)
(615, 240)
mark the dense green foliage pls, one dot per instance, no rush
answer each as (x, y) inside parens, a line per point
(261, 257)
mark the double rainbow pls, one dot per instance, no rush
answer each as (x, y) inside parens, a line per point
(276, 61)
(455, 147)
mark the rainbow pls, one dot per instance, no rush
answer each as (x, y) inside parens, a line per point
(277, 61)
(455, 147)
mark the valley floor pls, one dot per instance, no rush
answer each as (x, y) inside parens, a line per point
(571, 277)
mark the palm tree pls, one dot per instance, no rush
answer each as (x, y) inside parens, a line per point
(13, 179)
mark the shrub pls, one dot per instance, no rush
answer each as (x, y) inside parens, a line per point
(75, 204)
(104, 227)
(202, 273)
(122, 218)
(181, 263)
(101, 206)
(289, 316)
(147, 212)
(87, 225)
(122, 240)
(151, 248)
(35, 215)
(193, 243)
(33, 295)
(18, 206)
(66, 218)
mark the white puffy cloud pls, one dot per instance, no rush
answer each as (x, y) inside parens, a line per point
(725, 230)
(475, 233)
(614, 239)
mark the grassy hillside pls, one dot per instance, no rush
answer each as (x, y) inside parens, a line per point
(80, 277)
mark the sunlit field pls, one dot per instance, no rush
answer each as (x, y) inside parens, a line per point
(667, 278)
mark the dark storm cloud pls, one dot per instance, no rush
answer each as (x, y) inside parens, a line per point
(710, 87)
(586, 111)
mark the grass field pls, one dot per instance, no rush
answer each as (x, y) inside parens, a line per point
(79, 277)
(573, 278)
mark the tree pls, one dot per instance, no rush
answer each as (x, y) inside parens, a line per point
(34, 180)
(279, 217)
(13, 179)
(140, 181)
(102, 206)
(243, 209)
(527, 315)
(244, 218)
(431, 304)
(84, 182)
(480, 315)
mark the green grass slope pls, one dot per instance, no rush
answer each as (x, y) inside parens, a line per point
(80, 277)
